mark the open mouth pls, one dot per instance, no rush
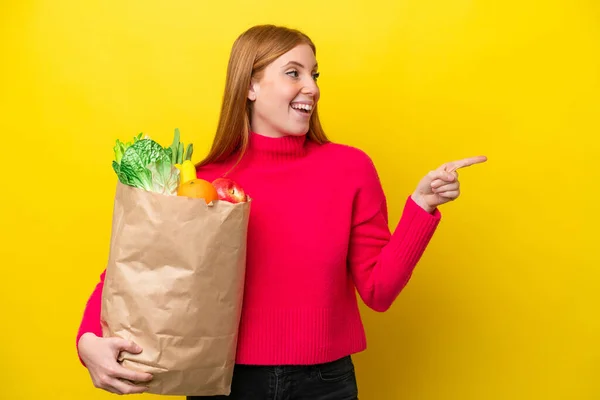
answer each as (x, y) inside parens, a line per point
(302, 108)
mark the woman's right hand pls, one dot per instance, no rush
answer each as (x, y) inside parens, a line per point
(100, 357)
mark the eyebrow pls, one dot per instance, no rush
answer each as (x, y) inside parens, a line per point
(296, 63)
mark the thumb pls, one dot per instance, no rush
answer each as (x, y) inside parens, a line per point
(126, 345)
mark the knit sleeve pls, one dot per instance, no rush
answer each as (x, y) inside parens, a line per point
(382, 262)
(91, 315)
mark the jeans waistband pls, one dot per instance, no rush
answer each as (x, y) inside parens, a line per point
(286, 369)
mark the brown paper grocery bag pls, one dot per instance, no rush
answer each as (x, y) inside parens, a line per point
(174, 285)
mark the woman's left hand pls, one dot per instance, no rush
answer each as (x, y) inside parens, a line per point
(441, 185)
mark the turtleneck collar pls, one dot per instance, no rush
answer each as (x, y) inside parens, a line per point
(276, 149)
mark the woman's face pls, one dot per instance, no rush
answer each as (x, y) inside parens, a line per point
(284, 97)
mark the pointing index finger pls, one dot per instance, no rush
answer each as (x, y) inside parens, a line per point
(465, 162)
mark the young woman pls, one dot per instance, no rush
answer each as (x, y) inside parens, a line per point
(318, 232)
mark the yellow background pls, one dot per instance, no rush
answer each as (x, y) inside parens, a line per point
(504, 304)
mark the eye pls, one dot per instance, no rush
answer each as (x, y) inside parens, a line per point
(316, 75)
(292, 73)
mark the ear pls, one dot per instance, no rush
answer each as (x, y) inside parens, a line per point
(253, 91)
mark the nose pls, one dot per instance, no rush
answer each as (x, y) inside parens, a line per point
(310, 88)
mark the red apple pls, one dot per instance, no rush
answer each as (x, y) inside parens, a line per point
(230, 191)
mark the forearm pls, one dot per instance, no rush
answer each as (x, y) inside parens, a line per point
(387, 264)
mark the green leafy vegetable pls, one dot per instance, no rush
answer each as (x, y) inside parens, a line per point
(165, 177)
(147, 165)
(145, 150)
(138, 162)
(121, 147)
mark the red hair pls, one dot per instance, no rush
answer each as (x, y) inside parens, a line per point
(252, 51)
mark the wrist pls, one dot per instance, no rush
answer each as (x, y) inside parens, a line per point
(421, 203)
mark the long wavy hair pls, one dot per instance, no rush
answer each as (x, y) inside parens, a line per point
(252, 51)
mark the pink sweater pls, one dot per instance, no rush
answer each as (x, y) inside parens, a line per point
(318, 232)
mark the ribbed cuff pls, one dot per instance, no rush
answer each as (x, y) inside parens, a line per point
(413, 233)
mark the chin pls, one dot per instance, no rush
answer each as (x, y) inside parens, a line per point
(296, 130)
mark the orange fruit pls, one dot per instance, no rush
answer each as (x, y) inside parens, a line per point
(198, 189)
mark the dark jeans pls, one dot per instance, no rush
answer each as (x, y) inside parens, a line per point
(330, 381)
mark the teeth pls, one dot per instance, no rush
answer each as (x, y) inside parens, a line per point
(306, 107)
